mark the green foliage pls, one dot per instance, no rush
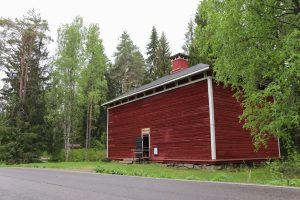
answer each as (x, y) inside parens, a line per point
(128, 72)
(190, 47)
(163, 66)
(92, 83)
(23, 55)
(78, 86)
(151, 60)
(68, 64)
(289, 168)
(254, 47)
(188, 37)
(78, 155)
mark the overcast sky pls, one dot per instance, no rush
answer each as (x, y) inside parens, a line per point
(113, 16)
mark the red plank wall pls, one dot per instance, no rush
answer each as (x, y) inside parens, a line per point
(232, 141)
(178, 122)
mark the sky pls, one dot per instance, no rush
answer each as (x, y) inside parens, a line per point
(113, 16)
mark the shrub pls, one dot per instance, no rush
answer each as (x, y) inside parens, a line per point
(289, 168)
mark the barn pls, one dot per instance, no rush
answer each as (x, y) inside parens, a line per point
(184, 117)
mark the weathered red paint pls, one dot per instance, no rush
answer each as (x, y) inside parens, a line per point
(179, 64)
(180, 127)
(178, 122)
(232, 141)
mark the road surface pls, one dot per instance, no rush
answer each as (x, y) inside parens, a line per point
(44, 184)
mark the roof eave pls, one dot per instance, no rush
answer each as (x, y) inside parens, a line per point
(158, 85)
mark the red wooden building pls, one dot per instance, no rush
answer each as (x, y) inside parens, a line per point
(182, 117)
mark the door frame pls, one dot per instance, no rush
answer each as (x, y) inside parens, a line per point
(148, 142)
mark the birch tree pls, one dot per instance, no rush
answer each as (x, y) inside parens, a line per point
(93, 84)
(254, 48)
(67, 68)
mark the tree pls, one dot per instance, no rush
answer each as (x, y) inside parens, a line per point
(255, 50)
(151, 60)
(23, 54)
(93, 84)
(128, 72)
(202, 42)
(163, 54)
(190, 46)
(188, 37)
(68, 64)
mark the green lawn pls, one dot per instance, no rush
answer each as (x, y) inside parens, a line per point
(257, 175)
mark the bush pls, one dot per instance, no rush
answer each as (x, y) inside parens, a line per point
(289, 168)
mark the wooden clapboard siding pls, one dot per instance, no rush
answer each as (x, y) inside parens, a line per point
(178, 122)
(232, 141)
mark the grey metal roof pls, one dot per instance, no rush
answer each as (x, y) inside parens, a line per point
(162, 81)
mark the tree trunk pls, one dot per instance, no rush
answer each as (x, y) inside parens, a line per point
(68, 137)
(71, 139)
(90, 124)
(25, 53)
(87, 133)
(65, 139)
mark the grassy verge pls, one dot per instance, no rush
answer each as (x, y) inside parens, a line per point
(243, 174)
(78, 155)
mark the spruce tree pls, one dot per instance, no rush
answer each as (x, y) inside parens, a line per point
(151, 60)
(163, 66)
(190, 47)
(188, 38)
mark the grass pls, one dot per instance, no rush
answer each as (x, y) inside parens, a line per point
(243, 174)
(78, 155)
(275, 173)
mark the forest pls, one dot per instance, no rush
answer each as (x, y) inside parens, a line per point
(53, 103)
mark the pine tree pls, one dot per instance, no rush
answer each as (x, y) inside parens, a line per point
(151, 53)
(23, 54)
(128, 72)
(163, 54)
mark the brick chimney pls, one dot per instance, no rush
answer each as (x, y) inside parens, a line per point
(179, 62)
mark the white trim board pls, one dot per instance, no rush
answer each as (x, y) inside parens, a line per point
(107, 122)
(211, 118)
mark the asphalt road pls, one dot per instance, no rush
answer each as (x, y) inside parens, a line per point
(33, 184)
